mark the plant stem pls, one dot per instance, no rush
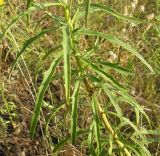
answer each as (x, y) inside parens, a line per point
(110, 129)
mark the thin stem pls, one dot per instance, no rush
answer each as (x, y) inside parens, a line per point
(110, 129)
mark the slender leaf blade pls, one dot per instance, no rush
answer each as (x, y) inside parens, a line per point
(116, 67)
(114, 102)
(96, 124)
(130, 100)
(114, 13)
(117, 41)
(90, 140)
(42, 89)
(29, 42)
(105, 75)
(54, 111)
(67, 62)
(87, 11)
(74, 114)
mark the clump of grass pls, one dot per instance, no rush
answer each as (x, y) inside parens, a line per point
(89, 81)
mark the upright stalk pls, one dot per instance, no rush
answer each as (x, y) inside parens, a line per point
(67, 53)
(110, 129)
(67, 59)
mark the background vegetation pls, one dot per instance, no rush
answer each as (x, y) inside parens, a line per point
(79, 77)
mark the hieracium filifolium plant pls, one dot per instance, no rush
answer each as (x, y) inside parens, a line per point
(88, 80)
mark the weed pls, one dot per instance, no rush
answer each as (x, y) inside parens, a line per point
(88, 80)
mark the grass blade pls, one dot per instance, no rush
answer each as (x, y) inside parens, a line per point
(117, 41)
(67, 63)
(74, 114)
(42, 89)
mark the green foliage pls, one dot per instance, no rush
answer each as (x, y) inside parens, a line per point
(89, 81)
(7, 109)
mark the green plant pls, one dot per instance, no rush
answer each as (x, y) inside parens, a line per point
(85, 73)
(7, 109)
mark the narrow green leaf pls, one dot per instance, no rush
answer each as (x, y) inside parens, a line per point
(96, 124)
(90, 140)
(130, 100)
(67, 63)
(153, 140)
(14, 21)
(144, 151)
(134, 149)
(136, 130)
(54, 111)
(114, 13)
(116, 67)
(151, 132)
(74, 114)
(87, 11)
(29, 3)
(67, 138)
(42, 89)
(29, 42)
(40, 63)
(117, 41)
(109, 10)
(59, 20)
(137, 112)
(106, 76)
(114, 102)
